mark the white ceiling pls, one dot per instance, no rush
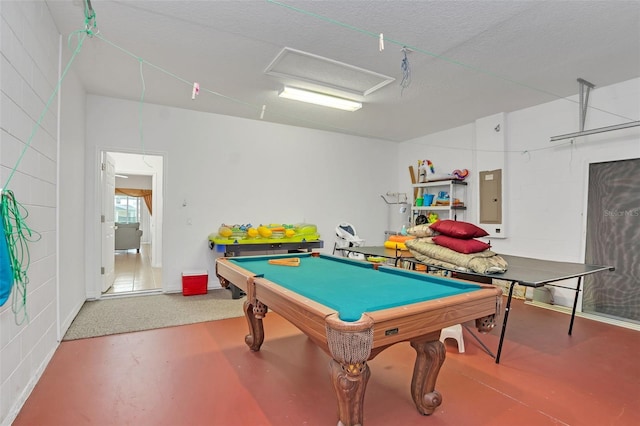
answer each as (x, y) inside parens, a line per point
(470, 59)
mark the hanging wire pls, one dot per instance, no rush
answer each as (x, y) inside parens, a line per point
(406, 71)
(81, 38)
(258, 108)
(18, 234)
(89, 17)
(438, 56)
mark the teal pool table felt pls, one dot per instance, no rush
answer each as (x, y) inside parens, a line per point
(353, 287)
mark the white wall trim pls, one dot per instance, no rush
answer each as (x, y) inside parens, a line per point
(22, 398)
(597, 318)
(58, 199)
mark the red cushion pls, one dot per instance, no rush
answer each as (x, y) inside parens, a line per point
(458, 229)
(461, 246)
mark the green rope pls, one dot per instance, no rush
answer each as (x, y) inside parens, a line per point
(89, 17)
(46, 108)
(13, 214)
(177, 77)
(257, 108)
(18, 234)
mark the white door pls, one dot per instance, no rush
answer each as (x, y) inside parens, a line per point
(108, 181)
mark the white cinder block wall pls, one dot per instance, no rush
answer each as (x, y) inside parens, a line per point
(29, 43)
(29, 74)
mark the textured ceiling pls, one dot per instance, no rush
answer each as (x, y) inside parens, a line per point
(469, 59)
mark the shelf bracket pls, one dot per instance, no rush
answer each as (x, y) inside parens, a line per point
(397, 196)
(585, 88)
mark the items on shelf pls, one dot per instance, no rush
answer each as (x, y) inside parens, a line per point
(443, 197)
(427, 173)
(274, 232)
(460, 174)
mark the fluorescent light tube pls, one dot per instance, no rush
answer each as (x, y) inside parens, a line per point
(319, 99)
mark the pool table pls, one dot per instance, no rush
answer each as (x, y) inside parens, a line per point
(354, 310)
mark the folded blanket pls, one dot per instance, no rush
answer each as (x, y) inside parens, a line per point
(423, 230)
(484, 262)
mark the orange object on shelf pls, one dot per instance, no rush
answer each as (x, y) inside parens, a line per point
(421, 268)
(400, 238)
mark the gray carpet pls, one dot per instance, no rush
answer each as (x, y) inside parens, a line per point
(126, 314)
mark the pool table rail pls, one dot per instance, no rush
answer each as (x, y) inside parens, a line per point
(307, 315)
(418, 319)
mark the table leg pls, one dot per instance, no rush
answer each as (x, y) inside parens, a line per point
(504, 322)
(350, 382)
(350, 346)
(254, 315)
(480, 342)
(575, 304)
(236, 292)
(430, 356)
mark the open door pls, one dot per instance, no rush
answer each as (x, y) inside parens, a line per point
(108, 182)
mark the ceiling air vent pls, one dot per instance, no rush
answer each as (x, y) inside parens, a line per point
(310, 68)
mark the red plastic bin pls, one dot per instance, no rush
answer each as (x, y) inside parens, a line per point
(194, 282)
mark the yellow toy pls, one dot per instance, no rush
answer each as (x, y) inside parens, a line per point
(225, 231)
(264, 231)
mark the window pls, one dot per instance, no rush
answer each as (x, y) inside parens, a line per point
(127, 209)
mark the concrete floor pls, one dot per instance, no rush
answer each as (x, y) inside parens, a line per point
(203, 374)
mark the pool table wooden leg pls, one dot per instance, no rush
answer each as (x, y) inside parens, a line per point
(430, 354)
(350, 347)
(350, 382)
(254, 315)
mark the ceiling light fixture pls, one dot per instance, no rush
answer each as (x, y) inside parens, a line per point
(319, 99)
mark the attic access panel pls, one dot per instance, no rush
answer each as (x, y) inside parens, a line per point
(307, 67)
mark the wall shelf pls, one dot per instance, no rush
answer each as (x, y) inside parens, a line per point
(457, 189)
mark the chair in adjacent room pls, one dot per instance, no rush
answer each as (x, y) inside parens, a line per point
(127, 236)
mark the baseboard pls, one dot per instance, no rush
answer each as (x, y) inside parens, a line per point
(64, 326)
(598, 318)
(19, 402)
(136, 293)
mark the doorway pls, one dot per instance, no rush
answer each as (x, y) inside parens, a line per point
(134, 202)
